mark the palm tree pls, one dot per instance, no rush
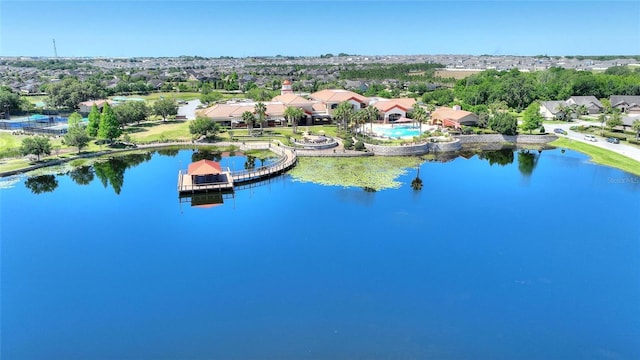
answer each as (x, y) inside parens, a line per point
(293, 114)
(581, 110)
(636, 127)
(419, 115)
(248, 118)
(360, 118)
(602, 118)
(564, 112)
(430, 108)
(416, 183)
(344, 112)
(260, 109)
(372, 115)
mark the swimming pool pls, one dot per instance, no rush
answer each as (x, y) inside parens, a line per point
(397, 131)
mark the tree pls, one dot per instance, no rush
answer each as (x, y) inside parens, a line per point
(344, 111)
(371, 114)
(109, 128)
(359, 118)
(564, 112)
(532, 119)
(203, 126)
(36, 145)
(94, 121)
(293, 114)
(603, 119)
(165, 107)
(76, 135)
(636, 127)
(130, 112)
(420, 115)
(210, 97)
(9, 101)
(504, 123)
(260, 109)
(248, 118)
(614, 120)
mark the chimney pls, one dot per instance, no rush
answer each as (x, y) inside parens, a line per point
(457, 107)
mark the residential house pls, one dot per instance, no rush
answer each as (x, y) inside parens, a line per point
(592, 104)
(550, 109)
(626, 104)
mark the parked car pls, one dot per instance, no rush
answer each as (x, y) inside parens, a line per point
(559, 131)
(613, 140)
(590, 138)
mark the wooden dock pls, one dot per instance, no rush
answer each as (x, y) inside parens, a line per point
(288, 159)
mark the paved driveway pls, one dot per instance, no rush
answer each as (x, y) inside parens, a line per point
(624, 149)
(188, 110)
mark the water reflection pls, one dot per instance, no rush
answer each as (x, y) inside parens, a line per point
(41, 184)
(206, 200)
(82, 175)
(416, 183)
(500, 157)
(112, 170)
(527, 161)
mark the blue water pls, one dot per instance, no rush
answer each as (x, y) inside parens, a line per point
(399, 131)
(485, 262)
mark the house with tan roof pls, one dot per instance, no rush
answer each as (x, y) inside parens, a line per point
(393, 109)
(331, 98)
(230, 114)
(85, 106)
(453, 117)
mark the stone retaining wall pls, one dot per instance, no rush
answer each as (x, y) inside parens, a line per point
(418, 149)
(501, 139)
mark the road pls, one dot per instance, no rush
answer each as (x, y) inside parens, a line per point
(624, 149)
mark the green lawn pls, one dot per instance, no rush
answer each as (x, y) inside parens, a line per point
(171, 95)
(600, 156)
(160, 131)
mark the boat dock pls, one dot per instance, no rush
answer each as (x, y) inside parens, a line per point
(226, 180)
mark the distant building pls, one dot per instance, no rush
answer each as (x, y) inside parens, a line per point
(626, 104)
(85, 106)
(286, 89)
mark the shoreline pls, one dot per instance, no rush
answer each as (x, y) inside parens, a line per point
(597, 155)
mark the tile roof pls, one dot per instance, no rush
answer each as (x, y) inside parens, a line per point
(443, 113)
(338, 95)
(204, 167)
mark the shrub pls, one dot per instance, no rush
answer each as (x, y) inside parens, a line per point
(359, 146)
(348, 143)
(633, 141)
(620, 136)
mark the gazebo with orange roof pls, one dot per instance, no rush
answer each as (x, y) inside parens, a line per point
(205, 172)
(204, 175)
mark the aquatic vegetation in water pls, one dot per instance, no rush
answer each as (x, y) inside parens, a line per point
(373, 173)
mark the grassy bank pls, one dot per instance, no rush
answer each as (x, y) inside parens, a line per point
(600, 156)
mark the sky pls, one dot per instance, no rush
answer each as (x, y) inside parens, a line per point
(212, 28)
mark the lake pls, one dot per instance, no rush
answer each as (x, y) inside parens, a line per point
(498, 256)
